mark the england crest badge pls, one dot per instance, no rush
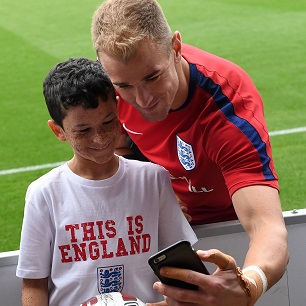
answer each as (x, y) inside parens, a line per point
(110, 279)
(185, 154)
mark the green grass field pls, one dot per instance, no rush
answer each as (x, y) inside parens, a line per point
(266, 38)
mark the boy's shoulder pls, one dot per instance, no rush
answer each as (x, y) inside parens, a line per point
(53, 175)
(143, 165)
(144, 169)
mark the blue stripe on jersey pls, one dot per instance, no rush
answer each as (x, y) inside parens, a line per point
(227, 108)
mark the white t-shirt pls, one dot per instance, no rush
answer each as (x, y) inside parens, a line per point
(95, 236)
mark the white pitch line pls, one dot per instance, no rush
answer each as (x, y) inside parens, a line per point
(290, 131)
(30, 168)
(46, 166)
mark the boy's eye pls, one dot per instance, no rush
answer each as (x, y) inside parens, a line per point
(109, 121)
(123, 86)
(83, 131)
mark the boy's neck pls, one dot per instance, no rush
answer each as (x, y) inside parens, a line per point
(94, 171)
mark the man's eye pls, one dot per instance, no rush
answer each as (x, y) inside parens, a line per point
(153, 78)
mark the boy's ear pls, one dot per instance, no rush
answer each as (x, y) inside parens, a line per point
(57, 130)
(177, 46)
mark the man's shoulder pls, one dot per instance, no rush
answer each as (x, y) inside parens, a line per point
(200, 57)
(193, 52)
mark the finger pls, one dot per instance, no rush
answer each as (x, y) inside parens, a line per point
(184, 210)
(162, 303)
(188, 217)
(185, 275)
(179, 200)
(175, 302)
(173, 295)
(223, 261)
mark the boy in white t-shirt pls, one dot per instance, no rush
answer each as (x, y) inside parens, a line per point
(91, 224)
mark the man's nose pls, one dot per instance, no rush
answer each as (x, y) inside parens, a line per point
(143, 97)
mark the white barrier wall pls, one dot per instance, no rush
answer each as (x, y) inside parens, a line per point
(10, 284)
(230, 238)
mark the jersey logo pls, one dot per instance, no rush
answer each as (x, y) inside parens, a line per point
(185, 154)
(110, 279)
(130, 131)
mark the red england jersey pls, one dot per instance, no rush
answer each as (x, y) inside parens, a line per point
(216, 143)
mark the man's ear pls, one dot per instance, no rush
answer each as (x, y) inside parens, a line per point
(57, 130)
(177, 46)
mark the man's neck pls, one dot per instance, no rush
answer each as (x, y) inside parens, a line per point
(184, 77)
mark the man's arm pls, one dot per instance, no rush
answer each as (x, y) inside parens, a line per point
(259, 211)
(35, 292)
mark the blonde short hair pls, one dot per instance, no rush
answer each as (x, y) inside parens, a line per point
(118, 26)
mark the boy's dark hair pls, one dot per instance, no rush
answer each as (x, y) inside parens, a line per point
(77, 81)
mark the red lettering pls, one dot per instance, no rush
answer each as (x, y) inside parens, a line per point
(72, 228)
(121, 250)
(135, 245)
(105, 254)
(88, 231)
(146, 241)
(79, 251)
(111, 229)
(94, 252)
(64, 252)
(100, 230)
(138, 222)
(130, 222)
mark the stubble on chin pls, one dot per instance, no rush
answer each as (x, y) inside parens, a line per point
(156, 117)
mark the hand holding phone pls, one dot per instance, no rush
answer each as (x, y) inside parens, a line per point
(180, 255)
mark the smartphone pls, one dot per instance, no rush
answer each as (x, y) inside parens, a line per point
(180, 255)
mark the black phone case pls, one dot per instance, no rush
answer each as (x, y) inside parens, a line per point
(180, 255)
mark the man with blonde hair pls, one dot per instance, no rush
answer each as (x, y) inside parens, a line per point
(202, 118)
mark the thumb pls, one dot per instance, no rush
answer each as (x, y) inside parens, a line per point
(226, 262)
(223, 261)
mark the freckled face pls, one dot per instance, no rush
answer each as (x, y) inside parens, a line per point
(92, 133)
